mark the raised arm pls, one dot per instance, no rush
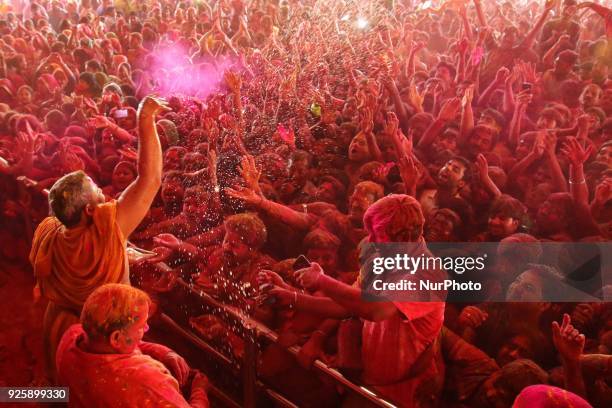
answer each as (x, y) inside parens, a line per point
(555, 169)
(604, 12)
(483, 173)
(447, 113)
(569, 342)
(397, 101)
(103, 122)
(253, 195)
(367, 124)
(467, 113)
(500, 79)
(480, 13)
(523, 99)
(134, 202)
(537, 151)
(577, 155)
(293, 218)
(466, 22)
(530, 38)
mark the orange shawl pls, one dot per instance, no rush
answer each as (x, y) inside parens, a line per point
(69, 264)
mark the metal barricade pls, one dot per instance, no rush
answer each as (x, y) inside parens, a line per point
(255, 333)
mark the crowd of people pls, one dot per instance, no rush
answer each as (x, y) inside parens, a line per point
(282, 128)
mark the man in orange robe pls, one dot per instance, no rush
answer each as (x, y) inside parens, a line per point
(81, 246)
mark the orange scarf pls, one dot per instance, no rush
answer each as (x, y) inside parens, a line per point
(69, 264)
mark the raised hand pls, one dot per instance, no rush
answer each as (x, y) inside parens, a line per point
(575, 152)
(603, 192)
(501, 75)
(407, 141)
(250, 173)
(449, 110)
(409, 172)
(233, 80)
(415, 98)
(367, 120)
(151, 106)
(25, 144)
(483, 166)
(417, 46)
(564, 40)
(524, 98)
(529, 72)
(392, 124)
(568, 341)
(468, 96)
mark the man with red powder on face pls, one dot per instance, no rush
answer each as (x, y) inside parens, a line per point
(105, 363)
(399, 349)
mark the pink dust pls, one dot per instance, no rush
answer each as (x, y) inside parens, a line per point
(172, 72)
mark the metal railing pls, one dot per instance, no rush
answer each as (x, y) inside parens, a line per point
(254, 333)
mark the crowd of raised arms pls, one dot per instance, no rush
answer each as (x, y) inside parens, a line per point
(285, 121)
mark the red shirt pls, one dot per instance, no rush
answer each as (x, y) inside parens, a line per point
(114, 380)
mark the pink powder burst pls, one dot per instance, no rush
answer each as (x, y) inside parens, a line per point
(173, 72)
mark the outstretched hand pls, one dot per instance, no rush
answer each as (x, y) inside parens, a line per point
(309, 277)
(167, 240)
(246, 194)
(269, 277)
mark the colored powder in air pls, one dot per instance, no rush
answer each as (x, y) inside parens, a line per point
(173, 72)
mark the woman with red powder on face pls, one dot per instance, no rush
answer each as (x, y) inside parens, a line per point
(123, 175)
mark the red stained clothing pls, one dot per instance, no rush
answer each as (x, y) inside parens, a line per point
(117, 380)
(391, 348)
(401, 355)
